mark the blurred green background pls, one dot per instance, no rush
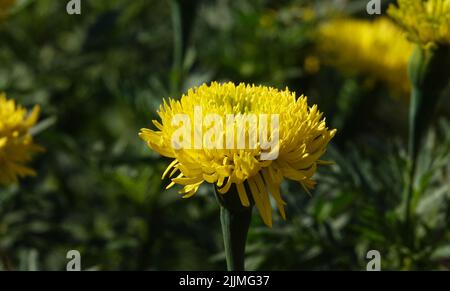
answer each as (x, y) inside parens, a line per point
(100, 76)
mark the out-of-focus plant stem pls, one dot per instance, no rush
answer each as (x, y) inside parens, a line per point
(6, 261)
(175, 82)
(183, 16)
(429, 73)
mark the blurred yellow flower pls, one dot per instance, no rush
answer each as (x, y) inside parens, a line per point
(16, 142)
(426, 22)
(5, 5)
(311, 64)
(309, 14)
(300, 133)
(375, 48)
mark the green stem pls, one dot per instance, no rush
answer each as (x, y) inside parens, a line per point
(420, 116)
(177, 47)
(235, 220)
(234, 229)
(429, 74)
(183, 17)
(418, 122)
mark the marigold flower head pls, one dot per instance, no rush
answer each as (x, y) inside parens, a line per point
(426, 22)
(376, 48)
(16, 142)
(300, 133)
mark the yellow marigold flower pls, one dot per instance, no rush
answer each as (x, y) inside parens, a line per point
(375, 48)
(16, 142)
(426, 22)
(5, 5)
(300, 133)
